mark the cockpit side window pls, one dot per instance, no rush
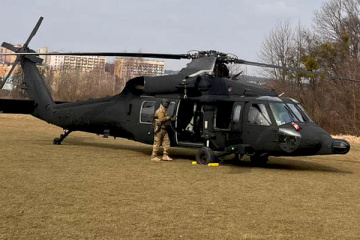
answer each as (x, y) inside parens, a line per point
(258, 115)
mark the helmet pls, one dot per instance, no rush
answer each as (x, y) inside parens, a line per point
(165, 102)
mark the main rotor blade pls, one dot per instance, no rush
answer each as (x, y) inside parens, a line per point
(109, 54)
(10, 72)
(257, 64)
(34, 31)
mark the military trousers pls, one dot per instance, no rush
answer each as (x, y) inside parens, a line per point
(161, 138)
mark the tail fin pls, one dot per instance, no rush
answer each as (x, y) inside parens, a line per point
(35, 85)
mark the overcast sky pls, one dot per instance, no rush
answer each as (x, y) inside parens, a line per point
(164, 26)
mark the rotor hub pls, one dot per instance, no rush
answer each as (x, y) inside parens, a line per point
(220, 56)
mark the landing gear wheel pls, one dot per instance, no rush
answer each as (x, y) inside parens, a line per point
(205, 155)
(259, 159)
(57, 141)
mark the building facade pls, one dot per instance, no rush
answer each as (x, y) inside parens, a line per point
(79, 63)
(128, 68)
(8, 59)
(45, 57)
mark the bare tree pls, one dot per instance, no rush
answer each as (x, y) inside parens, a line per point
(333, 48)
(286, 46)
(72, 85)
(338, 22)
(276, 49)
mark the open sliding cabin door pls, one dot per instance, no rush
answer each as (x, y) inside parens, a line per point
(189, 123)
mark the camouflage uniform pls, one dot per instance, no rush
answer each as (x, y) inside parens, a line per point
(161, 137)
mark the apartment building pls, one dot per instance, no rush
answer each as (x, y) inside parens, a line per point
(80, 63)
(127, 68)
(134, 67)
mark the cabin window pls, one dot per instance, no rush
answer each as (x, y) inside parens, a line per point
(223, 115)
(147, 112)
(170, 110)
(258, 115)
(236, 115)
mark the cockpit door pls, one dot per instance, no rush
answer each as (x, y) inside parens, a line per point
(259, 129)
(228, 124)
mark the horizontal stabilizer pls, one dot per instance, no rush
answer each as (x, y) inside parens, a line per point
(21, 106)
(16, 106)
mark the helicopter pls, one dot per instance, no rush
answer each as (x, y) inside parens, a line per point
(212, 111)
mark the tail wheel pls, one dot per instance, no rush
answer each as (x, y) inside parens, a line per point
(57, 141)
(259, 159)
(205, 155)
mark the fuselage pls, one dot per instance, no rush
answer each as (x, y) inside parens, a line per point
(256, 124)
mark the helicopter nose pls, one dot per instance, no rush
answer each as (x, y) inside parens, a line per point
(340, 146)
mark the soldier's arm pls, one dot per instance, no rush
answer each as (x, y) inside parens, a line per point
(163, 116)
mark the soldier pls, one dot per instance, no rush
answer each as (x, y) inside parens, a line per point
(161, 137)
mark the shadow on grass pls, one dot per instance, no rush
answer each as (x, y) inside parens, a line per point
(288, 164)
(189, 154)
(178, 153)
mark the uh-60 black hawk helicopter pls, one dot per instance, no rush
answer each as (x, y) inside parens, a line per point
(213, 112)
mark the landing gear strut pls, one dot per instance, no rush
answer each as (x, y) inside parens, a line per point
(57, 141)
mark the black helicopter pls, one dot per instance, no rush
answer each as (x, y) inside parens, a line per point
(213, 112)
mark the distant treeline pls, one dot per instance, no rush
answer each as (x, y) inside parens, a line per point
(330, 47)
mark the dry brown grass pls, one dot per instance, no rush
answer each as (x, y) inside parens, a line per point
(351, 139)
(95, 188)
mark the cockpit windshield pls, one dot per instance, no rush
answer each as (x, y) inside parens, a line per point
(285, 113)
(289, 112)
(296, 111)
(301, 108)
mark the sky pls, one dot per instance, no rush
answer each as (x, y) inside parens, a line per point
(157, 26)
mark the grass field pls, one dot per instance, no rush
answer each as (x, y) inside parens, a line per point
(96, 188)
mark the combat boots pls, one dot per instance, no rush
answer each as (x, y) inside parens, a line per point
(166, 158)
(155, 158)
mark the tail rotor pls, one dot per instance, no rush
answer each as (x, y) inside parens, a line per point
(23, 49)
